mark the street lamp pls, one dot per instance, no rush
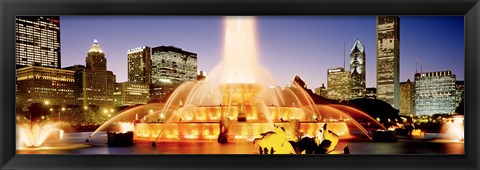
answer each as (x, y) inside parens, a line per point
(59, 113)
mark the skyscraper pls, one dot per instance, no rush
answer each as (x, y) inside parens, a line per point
(388, 59)
(357, 70)
(435, 93)
(407, 98)
(97, 83)
(171, 66)
(139, 65)
(38, 41)
(338, 82)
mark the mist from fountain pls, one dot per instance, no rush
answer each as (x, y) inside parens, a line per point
(33, 135)
(454, 128)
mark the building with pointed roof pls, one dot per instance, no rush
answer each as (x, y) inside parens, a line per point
(95, 84)
(357, 70)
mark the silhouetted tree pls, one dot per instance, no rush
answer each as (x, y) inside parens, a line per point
(74, 115)
(461, 108)
(36, 111)
(377, 109)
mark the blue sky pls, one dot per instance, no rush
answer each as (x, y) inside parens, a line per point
(289, 45)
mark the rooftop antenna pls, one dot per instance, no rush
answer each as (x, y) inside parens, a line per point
(421, 67)
(416, 65)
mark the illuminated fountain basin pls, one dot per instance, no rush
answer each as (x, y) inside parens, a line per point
(247, 117)
(209, 131)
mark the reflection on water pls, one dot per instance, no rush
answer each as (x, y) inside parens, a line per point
(98, 145)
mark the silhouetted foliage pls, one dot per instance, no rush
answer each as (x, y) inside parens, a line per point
(377, 109)
(461, 108)
(36, 111)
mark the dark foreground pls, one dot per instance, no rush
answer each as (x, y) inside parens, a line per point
(74, 143)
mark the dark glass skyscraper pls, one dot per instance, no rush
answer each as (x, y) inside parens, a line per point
(38, 41)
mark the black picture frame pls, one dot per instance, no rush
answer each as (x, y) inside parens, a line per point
(10, 8)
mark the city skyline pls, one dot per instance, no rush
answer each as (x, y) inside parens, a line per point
(282, 41)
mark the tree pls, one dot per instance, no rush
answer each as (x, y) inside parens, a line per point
(36, 111)
(73, 115)
(377, 109)
(460, 108)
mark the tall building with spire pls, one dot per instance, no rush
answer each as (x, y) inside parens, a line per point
(96, 84)
(388, 59)
(357, 70)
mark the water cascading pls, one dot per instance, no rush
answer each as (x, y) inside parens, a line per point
(238, 100)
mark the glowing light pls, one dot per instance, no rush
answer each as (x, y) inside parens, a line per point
(126, 126)
(34, 135)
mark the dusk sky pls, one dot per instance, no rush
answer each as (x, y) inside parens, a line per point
(303, 45)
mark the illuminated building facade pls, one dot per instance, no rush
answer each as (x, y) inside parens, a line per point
(38, 41)
(139, 65)
(338, 83)
(357, 70)
(38, 84)
(435, 93)
(407, 98)
(97, 83)
(371, 93)
(321, 91)
(171, 66)
(460, 92)
(127, 94)
(388, 59)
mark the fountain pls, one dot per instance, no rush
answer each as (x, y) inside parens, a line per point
(453, 128)
(239, 101)
(35, 134)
